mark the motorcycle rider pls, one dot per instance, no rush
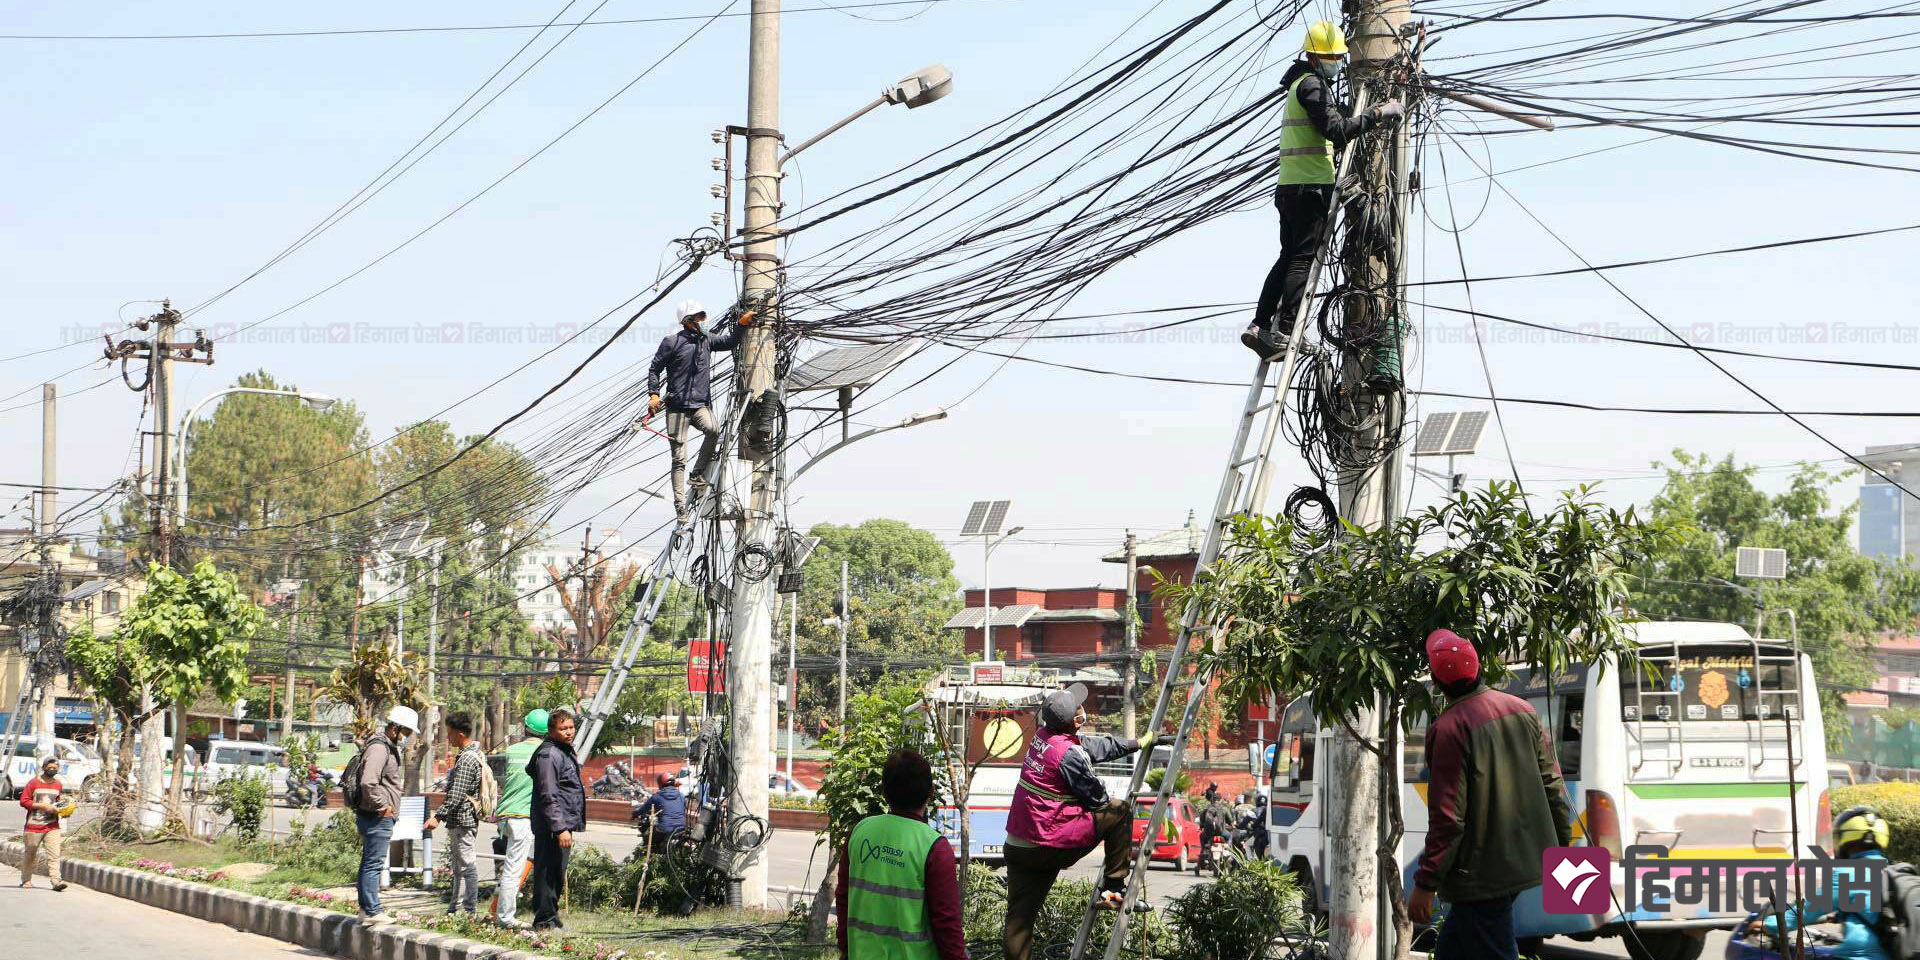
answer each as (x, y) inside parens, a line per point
(1862, 834)
(665, 812)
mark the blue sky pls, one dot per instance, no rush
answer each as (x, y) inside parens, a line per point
(140, 170)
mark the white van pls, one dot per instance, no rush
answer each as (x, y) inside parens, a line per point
(235, 758)
(79, 765)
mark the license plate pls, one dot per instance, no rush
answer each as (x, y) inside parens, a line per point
(989, 849)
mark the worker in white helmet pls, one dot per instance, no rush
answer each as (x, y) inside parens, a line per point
(685, 358)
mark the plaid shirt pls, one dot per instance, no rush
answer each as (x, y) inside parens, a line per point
(456, 808)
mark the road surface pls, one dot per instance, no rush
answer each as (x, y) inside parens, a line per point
(77, 922)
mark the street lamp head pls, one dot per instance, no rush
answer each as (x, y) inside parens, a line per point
(925, 416)
(921, 87)
(318, 401)
(1010, 533)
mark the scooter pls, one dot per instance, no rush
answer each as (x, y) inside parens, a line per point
(618, 783)
(1821, 942)
(308, 794)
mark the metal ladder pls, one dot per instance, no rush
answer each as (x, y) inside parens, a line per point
(1674, 739)
(1756, 726)
(1243, 491)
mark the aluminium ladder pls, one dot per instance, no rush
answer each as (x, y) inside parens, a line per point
(1240, 493)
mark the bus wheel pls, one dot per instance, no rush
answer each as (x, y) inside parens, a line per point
(1302, 875)
(1667, 945)
(1530, 946)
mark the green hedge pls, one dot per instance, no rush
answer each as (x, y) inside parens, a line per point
(1899, 803)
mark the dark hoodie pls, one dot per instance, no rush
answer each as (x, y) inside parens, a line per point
(672, 807)
(559, 800)
(1328, 115)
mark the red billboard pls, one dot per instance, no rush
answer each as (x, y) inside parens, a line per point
(703, 662)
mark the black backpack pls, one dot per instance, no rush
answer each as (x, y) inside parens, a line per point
(1899, 922)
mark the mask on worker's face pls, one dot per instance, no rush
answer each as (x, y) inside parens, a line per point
(1328, 67)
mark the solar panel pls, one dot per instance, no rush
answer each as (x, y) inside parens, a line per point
(401, 539)
(1467, 429)
(1433, 434)
(859, 365)
(1016, 615)
(970, 618)
(984, 518)
(997, 515)
(1763, 563)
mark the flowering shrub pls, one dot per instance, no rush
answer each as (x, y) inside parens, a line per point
(166, 869)
(318, 898)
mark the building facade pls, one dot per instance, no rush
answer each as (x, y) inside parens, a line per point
(1889, 519)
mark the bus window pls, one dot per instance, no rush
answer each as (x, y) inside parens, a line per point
(1717, 682)
(1413, 756)
(1563, 716)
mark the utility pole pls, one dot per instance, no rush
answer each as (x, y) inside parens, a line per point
(293, 656)
(793, 676)
(1362, 927)
(750, 650)
(49, 430)
(1129, 685)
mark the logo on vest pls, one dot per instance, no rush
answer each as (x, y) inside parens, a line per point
(883, 852)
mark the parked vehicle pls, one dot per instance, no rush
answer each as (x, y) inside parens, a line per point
(80, 767)
(1703, 746)
(1179, 839)
(618, 783)
(234, 758)
(780, 785)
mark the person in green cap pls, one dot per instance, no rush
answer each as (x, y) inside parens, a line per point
(516, 830)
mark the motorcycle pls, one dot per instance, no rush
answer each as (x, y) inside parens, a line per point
(618, 782)
(308, 794)
(1821, 941)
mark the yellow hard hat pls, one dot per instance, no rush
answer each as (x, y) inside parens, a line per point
(1860, 823)
(1325, 38)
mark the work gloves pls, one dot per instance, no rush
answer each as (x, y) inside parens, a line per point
(1391, 110)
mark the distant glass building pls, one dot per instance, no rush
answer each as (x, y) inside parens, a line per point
(1890, 520)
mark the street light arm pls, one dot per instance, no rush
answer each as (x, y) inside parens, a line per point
(917, 419)
(180, 465)
(830, 131)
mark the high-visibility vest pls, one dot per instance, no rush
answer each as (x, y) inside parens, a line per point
(887, 889)
(1305, 155)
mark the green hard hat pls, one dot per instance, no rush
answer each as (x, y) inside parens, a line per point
(537, 721)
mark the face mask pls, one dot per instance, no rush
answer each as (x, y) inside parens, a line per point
(1327, 69)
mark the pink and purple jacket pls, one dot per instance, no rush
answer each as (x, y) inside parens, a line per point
(1054, 802)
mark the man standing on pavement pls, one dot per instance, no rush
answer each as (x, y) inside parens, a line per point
(685, 357)
(559, 809)
(41, 798)
(898, 893)
(665, 813)
(1061, 811)
(378, 806)
(1313, 128)
(458, 813)
(516, 828)
(1495, 802)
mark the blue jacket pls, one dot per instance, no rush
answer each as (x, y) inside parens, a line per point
(559, 801)
(669, 806)
(1858, 939)
(686, 357)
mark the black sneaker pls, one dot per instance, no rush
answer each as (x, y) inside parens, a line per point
(62, 885)
(1269, 345)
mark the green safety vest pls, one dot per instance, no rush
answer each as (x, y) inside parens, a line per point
(887, 895)
(1305, 155)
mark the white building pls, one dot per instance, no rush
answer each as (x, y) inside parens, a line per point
(539, 598)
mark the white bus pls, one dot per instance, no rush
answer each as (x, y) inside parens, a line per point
(1693, 756)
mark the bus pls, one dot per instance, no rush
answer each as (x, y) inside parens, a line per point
(1692, 751)
(998, 705)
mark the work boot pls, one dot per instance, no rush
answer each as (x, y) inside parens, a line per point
(1269, 345)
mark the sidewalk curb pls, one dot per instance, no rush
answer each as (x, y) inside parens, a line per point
(339, 934)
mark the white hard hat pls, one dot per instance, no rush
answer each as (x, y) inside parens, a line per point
(687, 310)
(404, 717)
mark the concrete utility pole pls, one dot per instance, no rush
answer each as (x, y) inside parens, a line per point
(293, 654)
(750, 653)
(1129, 686)
(49, 430)
(1361, 927)
(845, 614)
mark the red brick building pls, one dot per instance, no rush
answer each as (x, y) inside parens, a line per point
(1074, 623)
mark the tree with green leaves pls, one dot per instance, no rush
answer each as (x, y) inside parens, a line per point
(1340, 615)
(374, 679)
(903, 591)
(1840, 597)
(183, 636)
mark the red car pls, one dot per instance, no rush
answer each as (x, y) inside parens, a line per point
(1179, 841)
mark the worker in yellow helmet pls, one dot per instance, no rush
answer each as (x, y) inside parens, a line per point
(1313, 126)
(1859, 833)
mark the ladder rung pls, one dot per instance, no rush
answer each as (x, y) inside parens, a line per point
(1237, 464)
